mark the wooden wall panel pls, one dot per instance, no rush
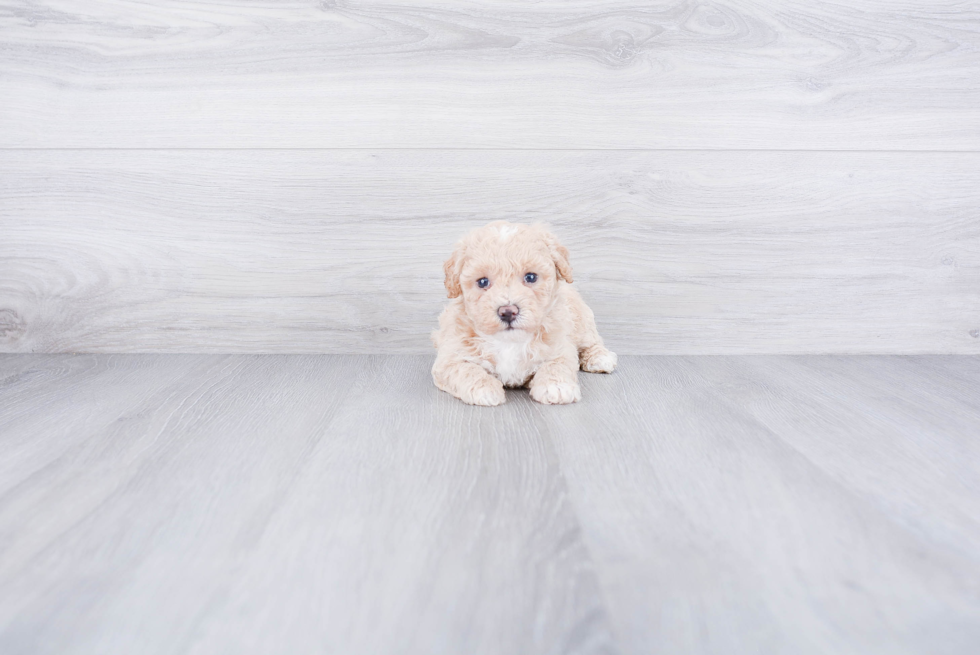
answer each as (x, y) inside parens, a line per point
(773, 74)
(341, 251)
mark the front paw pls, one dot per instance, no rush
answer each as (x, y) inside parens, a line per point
(556, 393)
(487, 392)
(599, 360)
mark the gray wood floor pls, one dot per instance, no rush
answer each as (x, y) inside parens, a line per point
(298, 504)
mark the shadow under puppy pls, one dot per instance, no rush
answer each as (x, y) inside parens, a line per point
(515, 319)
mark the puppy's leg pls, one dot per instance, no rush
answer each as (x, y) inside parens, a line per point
(556, 381)
(593, 355)
(597, 359)
(468, 382)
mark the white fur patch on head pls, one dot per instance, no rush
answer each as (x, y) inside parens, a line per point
(507, 231)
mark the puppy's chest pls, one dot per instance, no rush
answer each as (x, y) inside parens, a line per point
(513, 362)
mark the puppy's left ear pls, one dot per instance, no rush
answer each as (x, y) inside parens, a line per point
(452, 268)
(560, 254)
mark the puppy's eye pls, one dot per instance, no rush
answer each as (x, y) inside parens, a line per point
(483, 282)
(531, 278)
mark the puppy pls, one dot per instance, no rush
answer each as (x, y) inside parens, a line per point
(514, 320)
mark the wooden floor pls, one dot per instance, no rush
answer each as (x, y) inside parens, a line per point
(331, 504)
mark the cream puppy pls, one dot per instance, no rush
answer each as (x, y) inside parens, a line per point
(514, 320)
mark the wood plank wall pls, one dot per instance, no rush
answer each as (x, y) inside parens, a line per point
(731, 177)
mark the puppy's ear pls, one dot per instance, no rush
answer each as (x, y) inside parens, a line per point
(452, 268)
(560, 254)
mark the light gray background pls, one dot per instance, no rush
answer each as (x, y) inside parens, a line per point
(731, 177)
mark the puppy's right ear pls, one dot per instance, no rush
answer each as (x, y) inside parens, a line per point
(452, 268)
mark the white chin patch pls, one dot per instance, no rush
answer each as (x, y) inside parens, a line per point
(513, 362)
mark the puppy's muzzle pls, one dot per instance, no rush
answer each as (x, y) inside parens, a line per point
(508, 313)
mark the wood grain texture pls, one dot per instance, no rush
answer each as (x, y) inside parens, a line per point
(341, 251)
(268, 504)
(868, 74)
(775, 504)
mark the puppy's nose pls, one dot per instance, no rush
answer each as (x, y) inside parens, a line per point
(508, 313)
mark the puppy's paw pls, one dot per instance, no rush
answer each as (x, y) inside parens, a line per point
(556, 393)
(598, 360)
(488, 392)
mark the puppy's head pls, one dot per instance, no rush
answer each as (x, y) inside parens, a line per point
(508, 275)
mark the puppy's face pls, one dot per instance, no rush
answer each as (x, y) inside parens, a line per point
(508, 276)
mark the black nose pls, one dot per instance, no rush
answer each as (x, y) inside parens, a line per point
(508, 313)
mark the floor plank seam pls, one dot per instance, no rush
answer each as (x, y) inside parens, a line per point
(466, 149)
(545, 430)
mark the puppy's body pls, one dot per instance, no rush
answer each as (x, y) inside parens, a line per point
(513, 332)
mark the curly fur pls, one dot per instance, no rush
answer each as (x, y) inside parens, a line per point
(553, 335)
